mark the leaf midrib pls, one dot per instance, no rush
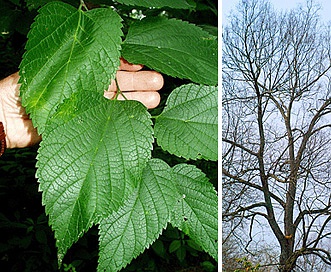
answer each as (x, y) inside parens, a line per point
(41, 93)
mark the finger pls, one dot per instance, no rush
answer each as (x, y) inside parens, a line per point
(150, 99)
(137, 81)
(127, 66)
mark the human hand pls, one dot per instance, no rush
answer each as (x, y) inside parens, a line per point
(135, 85)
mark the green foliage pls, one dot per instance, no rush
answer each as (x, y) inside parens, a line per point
(126, 233)
(195, 212)
(188, 125)
(247, 266)
(181, 4)
(94, 162)
(159, 199)
(22, 221)
(173, 47)
(65, 56)
(92, 176)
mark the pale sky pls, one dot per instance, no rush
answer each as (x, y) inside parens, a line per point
(280, 5)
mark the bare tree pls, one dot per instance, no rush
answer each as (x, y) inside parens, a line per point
(277, 130)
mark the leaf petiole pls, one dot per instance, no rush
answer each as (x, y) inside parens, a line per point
(118, 91)
(82, 4)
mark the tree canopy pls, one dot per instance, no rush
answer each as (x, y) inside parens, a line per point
(276, 130)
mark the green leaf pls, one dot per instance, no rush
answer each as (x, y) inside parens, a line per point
(173, 47)
(179, 4)
(67, 50)
(208, 266)
(195, 212)
(188, 125)
(92, 155)
(34, 4)
(181, 253)
(174, 245)
(193, 245)
(159, 248)
(129, 231)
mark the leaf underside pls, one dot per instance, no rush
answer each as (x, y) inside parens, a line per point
(188, 125)
(173, 47)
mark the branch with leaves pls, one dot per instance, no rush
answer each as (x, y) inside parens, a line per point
(95, 164)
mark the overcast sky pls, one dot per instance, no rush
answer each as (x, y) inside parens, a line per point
(325, 12)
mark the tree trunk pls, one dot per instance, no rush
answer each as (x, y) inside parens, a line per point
(288, 258)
